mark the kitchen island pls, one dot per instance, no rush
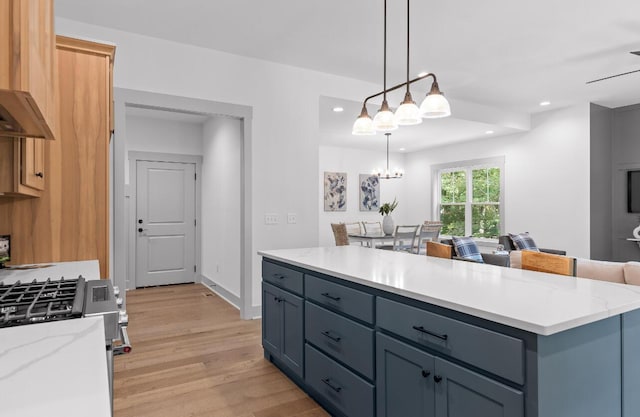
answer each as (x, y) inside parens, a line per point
(379, 333)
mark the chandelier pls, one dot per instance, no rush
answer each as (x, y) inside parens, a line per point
(433, 106)
(387, 174)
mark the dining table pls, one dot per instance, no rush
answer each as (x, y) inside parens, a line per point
(371, 238)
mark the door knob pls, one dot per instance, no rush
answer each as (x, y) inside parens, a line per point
(425, 373)
(437, 378)
(39, 174)
(140, 229)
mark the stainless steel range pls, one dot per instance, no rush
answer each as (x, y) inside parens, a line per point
(63, 299)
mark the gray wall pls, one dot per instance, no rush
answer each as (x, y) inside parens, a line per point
(600, 182)
(625, 156)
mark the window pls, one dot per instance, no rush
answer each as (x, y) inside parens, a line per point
(468, 199)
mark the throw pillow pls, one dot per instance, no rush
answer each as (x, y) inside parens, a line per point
(467, 248)
(523, 241)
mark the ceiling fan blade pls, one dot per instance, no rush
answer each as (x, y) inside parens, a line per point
(612, 76)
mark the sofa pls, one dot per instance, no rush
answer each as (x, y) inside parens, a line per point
(617, 272)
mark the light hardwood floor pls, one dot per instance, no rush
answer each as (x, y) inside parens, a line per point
(193, 356)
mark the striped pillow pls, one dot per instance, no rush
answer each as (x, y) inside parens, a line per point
(467, 248)
(523, 241)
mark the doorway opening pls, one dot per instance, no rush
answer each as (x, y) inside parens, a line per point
(162, 249)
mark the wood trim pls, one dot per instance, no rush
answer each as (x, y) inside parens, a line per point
(546, 262)
(87, 46)
(439, 250)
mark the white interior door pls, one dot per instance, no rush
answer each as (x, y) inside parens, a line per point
(165, 223)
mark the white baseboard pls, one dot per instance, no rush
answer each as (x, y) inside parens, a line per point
(255, 312)
(225, 294)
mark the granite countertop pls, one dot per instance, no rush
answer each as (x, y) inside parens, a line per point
(55, 369)
(532, 301)
(40, 272)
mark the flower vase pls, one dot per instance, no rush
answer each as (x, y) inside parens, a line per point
(387, 225)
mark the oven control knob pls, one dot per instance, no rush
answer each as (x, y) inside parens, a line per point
(119, 301)
(124, 318)
(116, 291)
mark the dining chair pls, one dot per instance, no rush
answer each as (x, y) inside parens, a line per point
(354, 228)
(429, 231)
(547, 262)
(404, 238)
(372, 227)
(439, 250)
(340, 234)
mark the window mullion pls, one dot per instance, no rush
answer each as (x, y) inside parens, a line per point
(467, 206)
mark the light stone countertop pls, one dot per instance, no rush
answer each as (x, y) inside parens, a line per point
(90, 270)
(532, 301)
(55, 369)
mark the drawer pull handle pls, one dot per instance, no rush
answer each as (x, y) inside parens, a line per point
(425, 373)
(334, 338)
(425, 331)
(437, 378)
(279, 276)
(332, 386)
(332, 297)
(278, 299)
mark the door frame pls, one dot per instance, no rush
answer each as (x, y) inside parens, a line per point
(124, 98)
(134, 157)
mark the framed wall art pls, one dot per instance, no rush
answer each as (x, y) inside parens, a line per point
(335, 191)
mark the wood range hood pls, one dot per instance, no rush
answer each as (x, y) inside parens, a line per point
(21, 117)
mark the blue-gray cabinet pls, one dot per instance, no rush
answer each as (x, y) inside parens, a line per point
(282, 327)
(364, 352)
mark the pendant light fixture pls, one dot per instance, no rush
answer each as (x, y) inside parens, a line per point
(408, 113)
(385, 120)
(434, 105)
(387, 174)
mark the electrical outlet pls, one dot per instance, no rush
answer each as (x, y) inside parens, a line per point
(292, 218)
(270, 218)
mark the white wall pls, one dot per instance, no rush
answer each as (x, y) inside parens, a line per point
(147, 134)
(284, 141)
(221, 185)
(546, 178)
(355, 162)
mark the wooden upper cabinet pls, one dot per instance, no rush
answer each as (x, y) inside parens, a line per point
(27, 69)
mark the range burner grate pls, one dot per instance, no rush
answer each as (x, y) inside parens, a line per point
(34, 302)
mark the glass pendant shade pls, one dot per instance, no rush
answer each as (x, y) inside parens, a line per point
(363, 126)
(408, 113)
(385, 120)
(434, 104)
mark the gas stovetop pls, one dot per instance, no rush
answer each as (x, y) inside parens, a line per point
(35, 302)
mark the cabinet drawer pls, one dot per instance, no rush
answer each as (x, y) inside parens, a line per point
(497, 353)
(282, 277)
(346, 391)
(346, 300)
(341, 338)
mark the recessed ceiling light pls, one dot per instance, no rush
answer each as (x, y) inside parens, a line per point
(545, 103)
(338, 109)
(422, 74)
(402, 149)
(489, 132)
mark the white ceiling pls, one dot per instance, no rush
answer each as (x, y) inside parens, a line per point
(501, 53)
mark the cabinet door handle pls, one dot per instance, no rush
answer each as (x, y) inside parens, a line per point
(425, 331)
(331, 385)
(331, 297)
(437, 378)
(39, 174)
(279, 276)
(425, 373)
(334, 338)
(278, 299)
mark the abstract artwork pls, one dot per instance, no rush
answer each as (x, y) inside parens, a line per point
(369, 192)
(335, 191)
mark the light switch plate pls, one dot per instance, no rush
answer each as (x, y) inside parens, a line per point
(271, 218)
